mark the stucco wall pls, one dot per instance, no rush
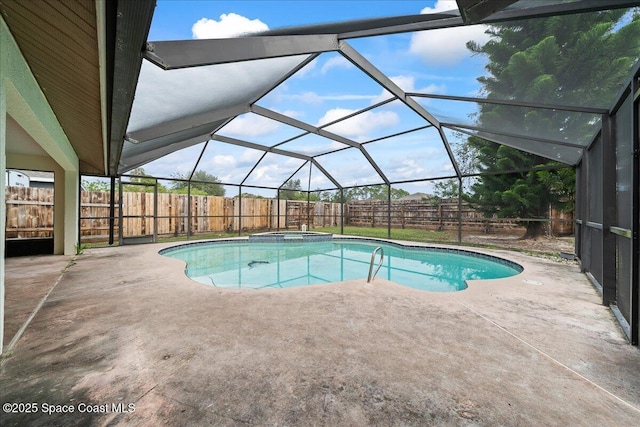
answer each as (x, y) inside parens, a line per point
(22, 98)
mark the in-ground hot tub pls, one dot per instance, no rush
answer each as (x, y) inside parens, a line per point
(290, 236)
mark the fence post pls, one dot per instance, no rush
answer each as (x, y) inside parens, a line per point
(120, 213)
(341, 211)
(373, 215)
(112, 208)
(155, 211)
(308, 207)
(389, 211)
(188, 209)
(240, 210)
(459, 210)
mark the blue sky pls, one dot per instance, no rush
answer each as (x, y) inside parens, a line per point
(328, 88)
(173, 19)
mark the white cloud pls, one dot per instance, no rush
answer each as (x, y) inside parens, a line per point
(433, 88)
(320, 181)
(357, 173)
(406, 169)
(292, 113)
(232, 168)
(445, 46)
(229, 25)
(249, 157)
(311, 97)
(358, 126)
(407, 84)
(273, 170)
(181, 161)
(313, 148)
(336, 62)
(307, 69)
(222, 161)
(308, 97)
(348, 167)
(250, 125)
(440, 6)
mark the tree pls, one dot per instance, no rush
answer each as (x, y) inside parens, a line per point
(329, 196)
(139, 176)
(292, 190)
(376, 192)
(202, 183)
(446, 189)
(102, 186)
(252, 196)
(545, 59)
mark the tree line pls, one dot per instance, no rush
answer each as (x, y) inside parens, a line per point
(205, 184)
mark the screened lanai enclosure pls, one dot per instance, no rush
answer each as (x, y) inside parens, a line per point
(564, 97)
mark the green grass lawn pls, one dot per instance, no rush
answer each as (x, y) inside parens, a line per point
(396, 233)
(426, 236)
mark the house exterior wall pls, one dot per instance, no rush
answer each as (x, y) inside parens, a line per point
(22, 98)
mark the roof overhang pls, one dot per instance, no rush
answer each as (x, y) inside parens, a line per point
(85, 55)
(473, 11)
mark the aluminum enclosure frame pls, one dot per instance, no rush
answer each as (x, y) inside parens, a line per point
(317, 39)
(611, 275)
(144, 145)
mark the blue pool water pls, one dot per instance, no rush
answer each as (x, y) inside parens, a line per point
(240, 264)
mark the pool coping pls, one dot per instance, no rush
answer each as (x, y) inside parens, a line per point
(397, 243)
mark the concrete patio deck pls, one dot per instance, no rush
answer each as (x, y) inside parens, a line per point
(124, 338)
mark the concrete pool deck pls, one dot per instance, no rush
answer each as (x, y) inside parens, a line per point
(124, 326)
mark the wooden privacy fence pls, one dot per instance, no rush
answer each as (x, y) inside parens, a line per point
(440, 215)
(30, 214)
(423, 214)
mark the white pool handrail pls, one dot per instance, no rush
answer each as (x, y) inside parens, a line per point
(373, 256)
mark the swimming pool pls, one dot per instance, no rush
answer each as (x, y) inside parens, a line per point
(244, 264)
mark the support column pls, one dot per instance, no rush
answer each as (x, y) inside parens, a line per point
(240, 210)
(23, 99)
(608, 211)
(635, 252)
(189, 210)
(112, 208)
(308, 211)
(71, 194)
(120, 213)
(155, 211)
(278, 210)
(388, 211)
(459, 210)
(59, 206)
(3, 206)
(341, 211)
